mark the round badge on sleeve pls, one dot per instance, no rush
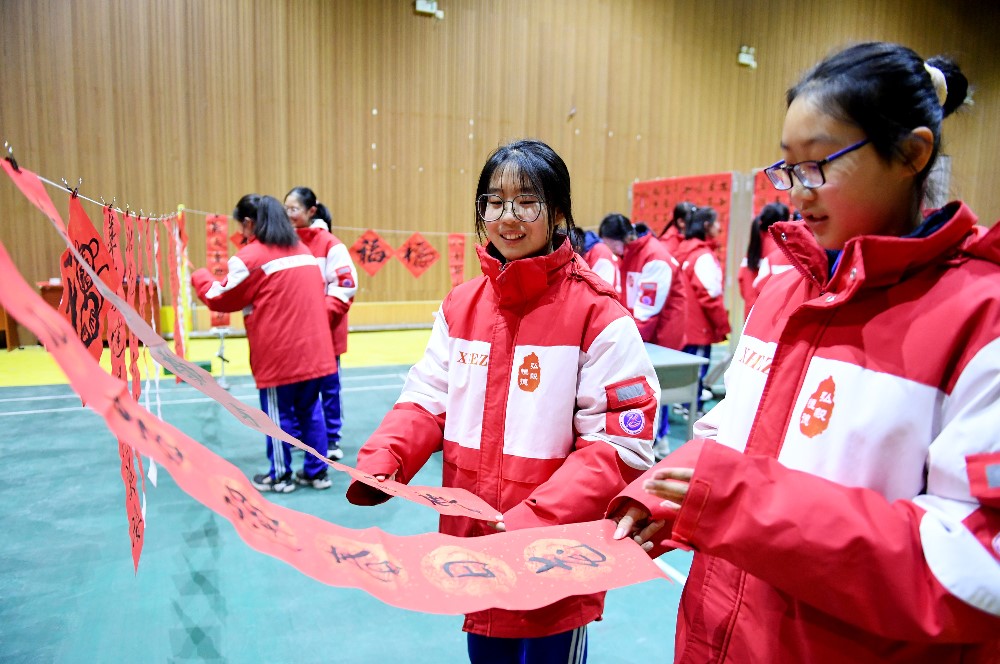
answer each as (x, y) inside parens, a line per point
(632, 421)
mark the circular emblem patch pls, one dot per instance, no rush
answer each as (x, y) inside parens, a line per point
(632, 421)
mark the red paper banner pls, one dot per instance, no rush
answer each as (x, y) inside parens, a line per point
(117, 331)
(764, 193)
(82, 303)
(653, 202)
(371, 252)
(34, 191)
(417, 254)
(518, 570)
(217, 257)
(130, 287)
(456, 258)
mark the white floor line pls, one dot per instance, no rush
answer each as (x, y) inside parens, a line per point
(671, 572)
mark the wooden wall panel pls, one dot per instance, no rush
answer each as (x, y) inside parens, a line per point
(389, 115)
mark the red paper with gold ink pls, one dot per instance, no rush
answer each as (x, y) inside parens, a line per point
(217, 257)
(371, 252)
(437, 573)
(764, 193)
(653, 202)
(417, 254)
(456, 258)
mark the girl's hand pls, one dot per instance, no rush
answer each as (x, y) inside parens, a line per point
(671, 484)
(633, 520)
(383, 478)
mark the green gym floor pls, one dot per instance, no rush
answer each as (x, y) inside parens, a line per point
(68, 592)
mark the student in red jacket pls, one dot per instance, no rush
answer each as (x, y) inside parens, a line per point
(843, 500)
(673, 233)
(274, 280)
(340, 278)
(707, 318)
(535, 386)
(763, 258)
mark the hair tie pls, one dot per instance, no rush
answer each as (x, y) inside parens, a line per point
(939, 81)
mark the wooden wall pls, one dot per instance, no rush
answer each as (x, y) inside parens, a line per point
(389, 115)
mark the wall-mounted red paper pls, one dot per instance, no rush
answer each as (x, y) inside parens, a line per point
(764, 193)
(217, 257)
(435, 573)
(371, 252)
(456, 258)
(653, 202)
(417, 254)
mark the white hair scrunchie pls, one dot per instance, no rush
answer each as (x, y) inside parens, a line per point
(940, 84)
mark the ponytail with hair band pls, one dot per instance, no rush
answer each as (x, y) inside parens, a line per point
(940, 83)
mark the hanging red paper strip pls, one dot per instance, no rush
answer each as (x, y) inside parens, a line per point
(82, 303)
(117, 331)
(152, 282)
(141, 229)
(764, 193)
(217, 256)
(518, 570)
(417, 254)
(456, 258)
(371, 252)
(130, 287)
(653, 202)
(34, 191)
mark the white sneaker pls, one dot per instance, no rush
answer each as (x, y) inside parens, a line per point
(334, 453)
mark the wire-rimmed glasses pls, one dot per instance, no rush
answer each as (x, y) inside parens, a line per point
(524, 207)
(809, 173)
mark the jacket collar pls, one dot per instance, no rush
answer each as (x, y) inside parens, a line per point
(875, 260)
(524, 279)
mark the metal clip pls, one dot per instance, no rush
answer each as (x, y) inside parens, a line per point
(10, 156)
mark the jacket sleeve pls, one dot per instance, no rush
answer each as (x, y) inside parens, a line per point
(616, 402)
(414, 428)
(605, 269)
(706, 283)
(341, 280)
(231, 294)
(923, 569)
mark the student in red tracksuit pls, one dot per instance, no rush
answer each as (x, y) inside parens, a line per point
(707, 319)
(604, 257)
(536, 387)
(843, 500)
(340, 277)
(274, 280)
(763, 258)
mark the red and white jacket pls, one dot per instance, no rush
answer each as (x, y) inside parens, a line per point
(772, 261)
(655, 292)
(845, 506)
(707, 318)
(536, 386)
(339, 275)
(604, 263)
(280, 292)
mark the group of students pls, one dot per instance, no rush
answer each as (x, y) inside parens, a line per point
(296, 325)
(671, 284)
(842, 500)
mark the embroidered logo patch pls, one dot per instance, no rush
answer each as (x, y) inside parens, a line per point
(632, 422)
(344, 277)
(815, 417)
(647, 293)
(529, 374)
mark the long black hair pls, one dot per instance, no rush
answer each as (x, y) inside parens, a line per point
(540, 170)
(701, 218)
(772, 212)
(270, 223)
(680, 218)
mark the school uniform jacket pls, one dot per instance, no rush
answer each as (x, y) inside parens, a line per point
(536, 386)
(280, 291)
(604, 263)
(655, 292)
(707, 318)
(340, 277)
(845, 505)
(751, 282)
(671, 239)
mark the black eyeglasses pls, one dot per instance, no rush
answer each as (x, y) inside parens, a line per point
(809, 173)
(524, 207)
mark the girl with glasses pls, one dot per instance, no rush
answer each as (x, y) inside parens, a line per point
(843, 500)
(535, 386)
(340, 278)
(273, 279)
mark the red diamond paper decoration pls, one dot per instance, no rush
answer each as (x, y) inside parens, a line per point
(371, 252)
(417, 254)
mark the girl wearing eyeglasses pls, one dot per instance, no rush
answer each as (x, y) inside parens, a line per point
(535, 386)
(843, 500)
